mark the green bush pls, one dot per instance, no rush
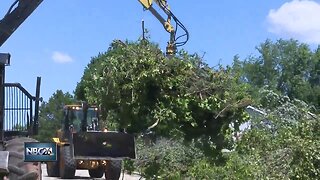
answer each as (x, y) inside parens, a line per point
(164, 158)
(290, 148)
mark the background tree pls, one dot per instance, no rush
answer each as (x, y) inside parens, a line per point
(285, 66)
(51, 115)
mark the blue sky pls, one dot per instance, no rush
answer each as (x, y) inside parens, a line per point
(58, 40)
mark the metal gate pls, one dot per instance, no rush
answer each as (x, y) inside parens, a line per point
(20, 110)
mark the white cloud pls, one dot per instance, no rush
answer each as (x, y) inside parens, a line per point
(297, 19)
(60, 57)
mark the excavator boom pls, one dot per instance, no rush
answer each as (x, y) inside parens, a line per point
(19, 11)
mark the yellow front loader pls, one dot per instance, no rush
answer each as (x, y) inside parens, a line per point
(83, 143)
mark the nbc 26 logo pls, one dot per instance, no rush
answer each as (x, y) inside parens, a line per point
(40, 152)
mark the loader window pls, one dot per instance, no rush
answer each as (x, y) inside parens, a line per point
(76, 116)
(75, 119)
(92, 119)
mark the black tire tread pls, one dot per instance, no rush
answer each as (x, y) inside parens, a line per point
(67, 159)
(96, 173)
(17, 167)
(113, 170)
(53, 169)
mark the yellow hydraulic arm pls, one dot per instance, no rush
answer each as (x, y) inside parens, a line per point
(172, 44)
(21, 9)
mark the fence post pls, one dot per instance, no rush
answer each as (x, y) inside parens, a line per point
(36, 108)
(4, 61)
(2, 72)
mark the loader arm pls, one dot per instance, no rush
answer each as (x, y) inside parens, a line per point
(19, 11)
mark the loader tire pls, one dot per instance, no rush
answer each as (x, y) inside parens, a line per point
(96, 173)
(18, 169)
(53, 169)
(113, 170)
(67, 165)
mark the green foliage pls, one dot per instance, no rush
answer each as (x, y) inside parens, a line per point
(289, 148)
(236, 167)
(51, 115)
(185, 100)
(282, 107)
(291, 153)
(165, 158)
(183, 97)
(285, 66)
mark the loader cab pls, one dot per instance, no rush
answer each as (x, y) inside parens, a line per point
(80, 118)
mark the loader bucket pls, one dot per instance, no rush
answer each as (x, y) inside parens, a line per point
(103, 145)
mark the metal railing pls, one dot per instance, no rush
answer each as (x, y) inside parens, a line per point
(20, 110)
